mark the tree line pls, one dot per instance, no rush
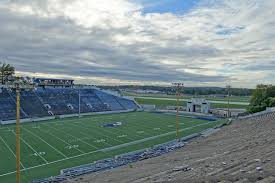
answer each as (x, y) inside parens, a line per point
(169, 90)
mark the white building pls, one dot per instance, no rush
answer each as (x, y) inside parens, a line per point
(203, 104)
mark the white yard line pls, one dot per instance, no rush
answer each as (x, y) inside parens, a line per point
(138, 127)
(75, 138)
(119, 132)
(116, 134)
(105, 135)
(85, 134)
(3, 128)
(31, 148)
(45, 142)
(62, 140)
(53, 162)
(108, 149)
(11, 151)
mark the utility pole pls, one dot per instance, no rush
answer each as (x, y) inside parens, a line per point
(18, 86)
(178, 87)
(228, 100)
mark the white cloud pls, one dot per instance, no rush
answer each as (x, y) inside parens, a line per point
(215, 42)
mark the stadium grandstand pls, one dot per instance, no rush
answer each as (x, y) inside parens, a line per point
(55, 97)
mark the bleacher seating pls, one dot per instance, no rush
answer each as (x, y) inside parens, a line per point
(43, 102)
(91, 101)
(109, 100)
(7, 105)
(31, 105)
(58, 100)
(127, 104)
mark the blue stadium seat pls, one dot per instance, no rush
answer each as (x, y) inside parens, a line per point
(8, 106)
(60, 101)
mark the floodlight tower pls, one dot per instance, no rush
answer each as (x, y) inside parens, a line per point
(228, 99)
(18, 85)
(79, 100)
(178, 88)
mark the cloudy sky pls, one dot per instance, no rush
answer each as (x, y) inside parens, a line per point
(199, 42)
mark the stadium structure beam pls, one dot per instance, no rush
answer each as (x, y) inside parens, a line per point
(178, 87)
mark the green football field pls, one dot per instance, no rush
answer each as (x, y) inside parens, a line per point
(47, 147)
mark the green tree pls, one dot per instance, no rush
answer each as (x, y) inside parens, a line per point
(262, 97)
(6, 70)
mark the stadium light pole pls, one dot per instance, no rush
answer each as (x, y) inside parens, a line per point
(18, 86)
(178, 87)
(79, 103)
(228, 99)
(18, 176)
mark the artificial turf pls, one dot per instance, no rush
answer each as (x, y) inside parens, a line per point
(49, 146)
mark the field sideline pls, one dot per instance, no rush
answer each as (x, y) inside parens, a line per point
(48, 147)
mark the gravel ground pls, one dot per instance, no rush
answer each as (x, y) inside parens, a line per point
(242, 152)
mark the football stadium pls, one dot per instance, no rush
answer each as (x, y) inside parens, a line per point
(137, 91)
(64, 128)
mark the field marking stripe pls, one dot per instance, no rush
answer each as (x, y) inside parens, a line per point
(3, 128)
(144, 125)
(11, 150)
(31, 147)
(121, 131)
(105, 149)
(116, 134)
(137, 127)
(61, 140)
(84, 133)
(157, 136)
(103, 135)
(75, 138)
(45, 142)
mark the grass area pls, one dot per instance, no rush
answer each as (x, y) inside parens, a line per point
(162, 103)
(47, 147)
(232, 98)
(231, 106)
(158, 102)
